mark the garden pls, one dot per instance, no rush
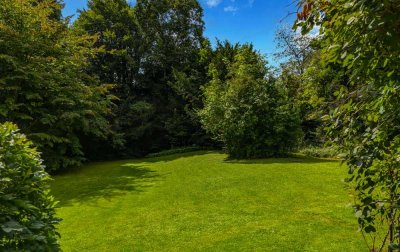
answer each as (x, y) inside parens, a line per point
(127, 127)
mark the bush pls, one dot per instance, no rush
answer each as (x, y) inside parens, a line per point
(43, 87)
(246, 111)
(27, 215)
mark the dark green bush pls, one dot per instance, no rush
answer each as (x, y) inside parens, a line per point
(245, 110)
(27, 215)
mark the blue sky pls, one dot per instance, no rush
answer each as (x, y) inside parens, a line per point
(253, 21)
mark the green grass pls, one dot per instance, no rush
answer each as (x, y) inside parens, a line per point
(201, 201)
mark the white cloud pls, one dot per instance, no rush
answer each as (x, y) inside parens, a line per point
(213, 3)
(230, 8)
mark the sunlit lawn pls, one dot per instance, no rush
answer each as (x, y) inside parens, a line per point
(202, 201)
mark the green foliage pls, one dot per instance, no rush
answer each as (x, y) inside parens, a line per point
(244, 109)
(150, 51)
(117, 63)
(27, 215)
(294, 49)
(308, 82)
(315, 96)
(43, 87)
(362, 38)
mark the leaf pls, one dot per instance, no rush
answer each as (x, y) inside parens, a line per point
(12, 226)
(351, 20)
(386, 62)
(359, 214)
(370, 229)
(37, 225)
(382, 110)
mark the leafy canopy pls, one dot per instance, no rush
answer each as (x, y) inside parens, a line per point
(43, 85)
(151, 53)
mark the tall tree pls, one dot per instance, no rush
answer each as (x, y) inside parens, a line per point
(172, 66)
(42, 86)
(296, 54)
(152, 56)
(294, 48)
(172, 28)
(117, 62)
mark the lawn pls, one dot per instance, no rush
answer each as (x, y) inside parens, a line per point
(202, 201)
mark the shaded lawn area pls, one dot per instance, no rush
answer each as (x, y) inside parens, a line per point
(202, 201)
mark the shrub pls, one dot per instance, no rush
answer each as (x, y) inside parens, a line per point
(27, 215)
(246, 111)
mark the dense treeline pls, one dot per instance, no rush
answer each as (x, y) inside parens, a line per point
(125, 80)
(121, 81)
(151, 52)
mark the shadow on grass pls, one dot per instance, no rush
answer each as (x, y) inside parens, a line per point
(101, 181)
(106, 180)
(172, 157)
(292, 158)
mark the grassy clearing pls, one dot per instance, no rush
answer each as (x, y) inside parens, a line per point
(201, 201)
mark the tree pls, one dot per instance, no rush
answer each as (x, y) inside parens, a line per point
(27, 215)
(43, 87)
(172, 68)
(303, 77)
(295, 54)
(152, 55)
(244, 109)
(295, 49)
(362, 38)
